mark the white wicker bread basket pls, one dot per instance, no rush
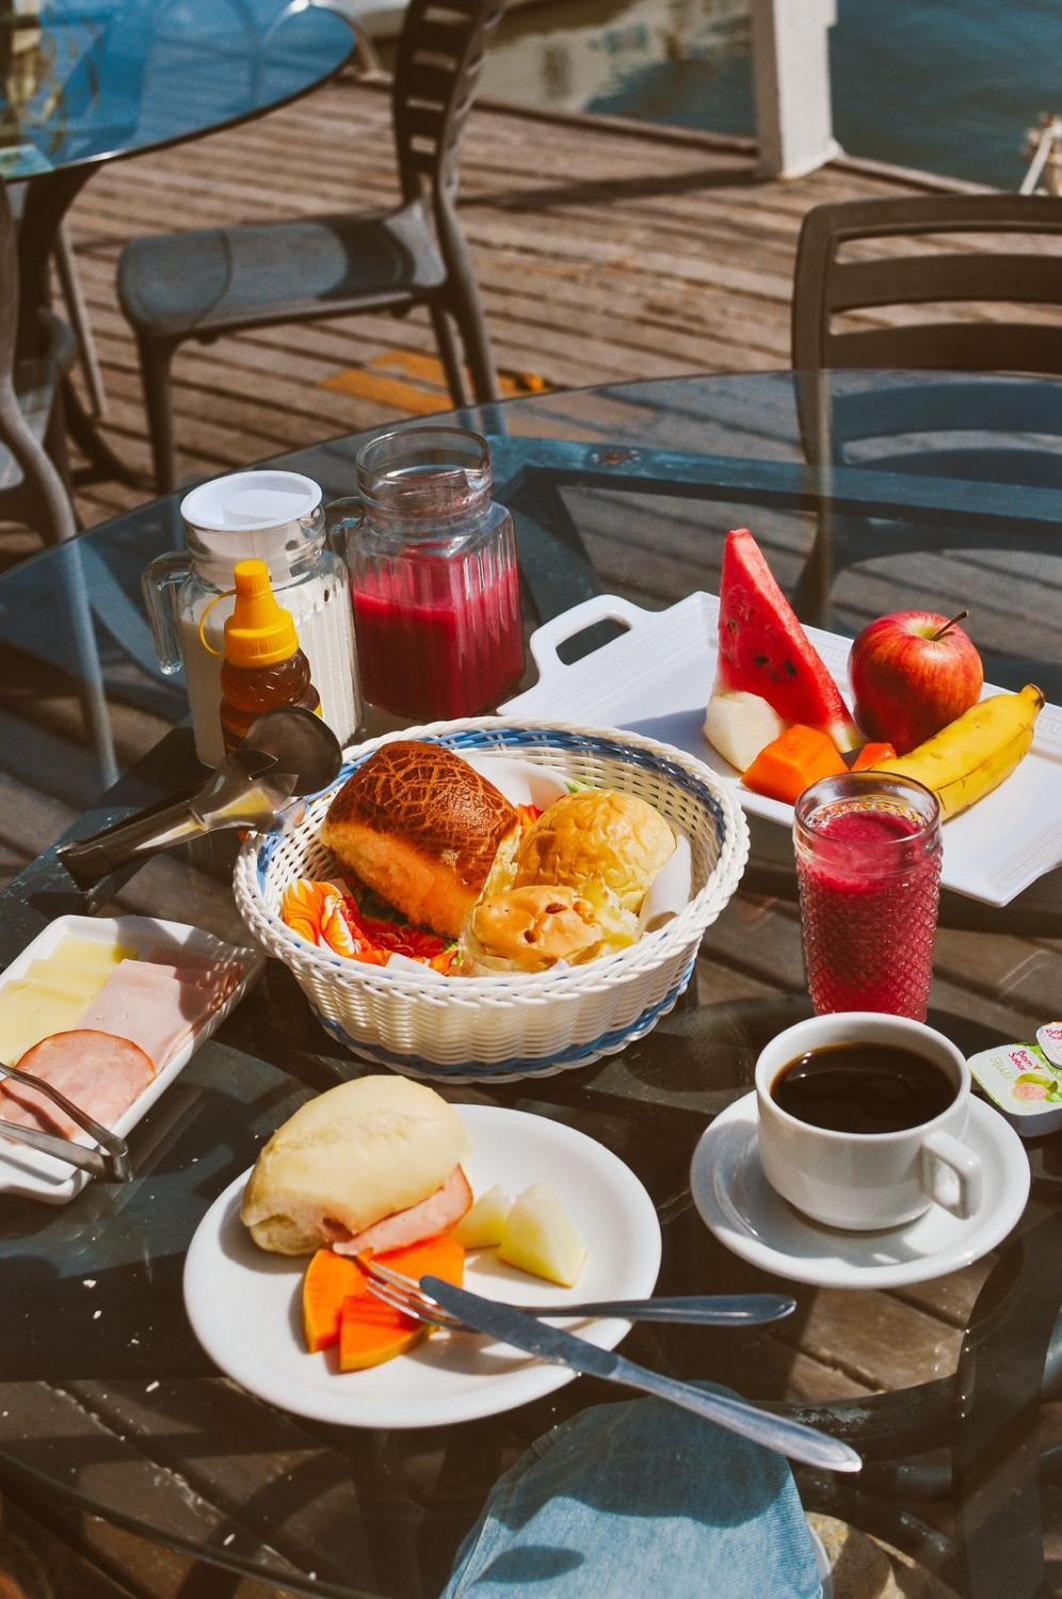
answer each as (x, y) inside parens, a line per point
(507, 1027)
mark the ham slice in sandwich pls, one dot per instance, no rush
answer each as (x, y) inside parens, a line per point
(436, 1214)
(372, 1164)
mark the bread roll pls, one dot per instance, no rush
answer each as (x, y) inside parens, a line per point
(600, 837)
(537, 926)
(419, 826)
(347, 1159)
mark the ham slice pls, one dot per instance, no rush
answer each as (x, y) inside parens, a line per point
(218, 977)
(157, 1007)
(102, 1075)
(436, 1214)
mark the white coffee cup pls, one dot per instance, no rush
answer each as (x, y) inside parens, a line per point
(868, 1180)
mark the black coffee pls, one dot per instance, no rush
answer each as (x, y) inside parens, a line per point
(863, 1088)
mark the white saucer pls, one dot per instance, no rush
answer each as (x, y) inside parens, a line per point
(739, 1206)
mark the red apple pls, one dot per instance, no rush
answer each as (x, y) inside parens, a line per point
(912, 673)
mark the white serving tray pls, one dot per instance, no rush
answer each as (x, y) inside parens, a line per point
(656, 677)
(26, 1171)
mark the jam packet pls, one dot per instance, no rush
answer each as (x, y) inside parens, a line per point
(1024, 1081)
(1049, 1038)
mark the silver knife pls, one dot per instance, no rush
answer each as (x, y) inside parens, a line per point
(513, 1327)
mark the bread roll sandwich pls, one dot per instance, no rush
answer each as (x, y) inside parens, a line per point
(529, 930)
(420, 827)
(598, 837)
(372, 1164)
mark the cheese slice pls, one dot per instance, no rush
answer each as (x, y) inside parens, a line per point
(49, 974)
(85, 955)
(29, 1011)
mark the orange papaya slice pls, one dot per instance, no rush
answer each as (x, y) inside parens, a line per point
(330, 1280)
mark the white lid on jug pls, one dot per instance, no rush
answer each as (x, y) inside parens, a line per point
(244, 502)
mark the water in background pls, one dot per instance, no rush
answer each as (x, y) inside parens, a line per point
(949, 86)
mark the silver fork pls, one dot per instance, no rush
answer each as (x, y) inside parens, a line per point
(719, 1310)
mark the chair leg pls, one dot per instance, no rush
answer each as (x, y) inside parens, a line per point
(451, 356)
(77, 311)
(155, 361)
(467, 310)
(48, 507)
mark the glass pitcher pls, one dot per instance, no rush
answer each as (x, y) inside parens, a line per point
(275, 517)
(434, 575)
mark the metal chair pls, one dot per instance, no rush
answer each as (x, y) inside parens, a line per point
(841, 424)
(32, 488)
(203, 284)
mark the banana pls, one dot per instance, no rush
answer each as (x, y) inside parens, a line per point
(972, 755)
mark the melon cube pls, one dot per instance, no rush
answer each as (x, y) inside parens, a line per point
(540, 1237)
(740, 725)
(484, 1224)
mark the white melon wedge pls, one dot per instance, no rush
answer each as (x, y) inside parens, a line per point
(740, 725)
(540, 1237)
(482, 1228)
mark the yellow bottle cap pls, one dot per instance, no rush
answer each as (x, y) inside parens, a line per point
(259, 632)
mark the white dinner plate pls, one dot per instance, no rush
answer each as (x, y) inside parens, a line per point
(231, 1286)
(738, 1205)
(656, 677)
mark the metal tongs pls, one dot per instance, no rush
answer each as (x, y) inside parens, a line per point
(109, 1161)
(286, 754)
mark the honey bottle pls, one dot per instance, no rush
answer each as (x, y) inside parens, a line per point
(264, 669)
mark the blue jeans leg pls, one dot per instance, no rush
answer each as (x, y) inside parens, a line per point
(640, 1499)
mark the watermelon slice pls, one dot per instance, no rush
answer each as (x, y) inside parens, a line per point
(764, 650)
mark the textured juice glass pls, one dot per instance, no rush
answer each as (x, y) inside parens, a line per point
(868, 861)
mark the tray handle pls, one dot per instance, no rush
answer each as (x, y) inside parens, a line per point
(545, 640)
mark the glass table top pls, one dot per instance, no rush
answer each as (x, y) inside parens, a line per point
(82, 81)
(105, 1396)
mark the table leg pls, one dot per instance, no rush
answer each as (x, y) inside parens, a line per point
(1001, 1375)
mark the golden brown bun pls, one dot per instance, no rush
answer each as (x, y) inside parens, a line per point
(347, 1159)
(599, 836)
(421, 827)
(536, 926)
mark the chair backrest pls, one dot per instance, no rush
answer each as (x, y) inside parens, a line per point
(440, 58)
(825, 287)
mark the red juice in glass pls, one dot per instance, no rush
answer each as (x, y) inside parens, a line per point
(868, 862)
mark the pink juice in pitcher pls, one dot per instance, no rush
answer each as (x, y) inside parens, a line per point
(868, 862)
(434, 578)
(445, 654)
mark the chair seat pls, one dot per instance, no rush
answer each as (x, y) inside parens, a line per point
(187, 284)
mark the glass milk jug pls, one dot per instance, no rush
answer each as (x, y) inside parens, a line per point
(275, 517)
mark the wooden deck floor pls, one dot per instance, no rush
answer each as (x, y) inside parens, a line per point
(605, 252)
